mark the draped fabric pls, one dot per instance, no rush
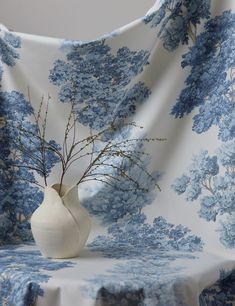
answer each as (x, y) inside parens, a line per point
(172, 73)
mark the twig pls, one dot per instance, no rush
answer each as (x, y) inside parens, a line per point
(113, 186)
(73, 150)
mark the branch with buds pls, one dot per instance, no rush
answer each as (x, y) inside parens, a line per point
(74, 149)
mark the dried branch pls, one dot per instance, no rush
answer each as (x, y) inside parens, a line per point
(108, 183)
(74, 149)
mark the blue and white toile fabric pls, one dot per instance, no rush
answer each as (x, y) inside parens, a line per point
(172, 72)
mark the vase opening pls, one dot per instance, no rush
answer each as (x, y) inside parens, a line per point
(64, 189)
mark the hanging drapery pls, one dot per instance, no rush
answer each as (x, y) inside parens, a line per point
(162, 87)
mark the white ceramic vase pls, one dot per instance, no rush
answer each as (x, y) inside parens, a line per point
(60, 225)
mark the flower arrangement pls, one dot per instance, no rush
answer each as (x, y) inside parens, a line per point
(99, 147)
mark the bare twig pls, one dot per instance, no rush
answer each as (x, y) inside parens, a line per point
(74, 149)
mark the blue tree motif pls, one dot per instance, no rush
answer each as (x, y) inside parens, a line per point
(98, 81)
(21, 273)
(18, 197)
(222, 293)
(113, 201)
(212, 181)
(144, 281)
(226, 155)
(149, 251)
(227, 231)
(178, 20)
(8, 45)
(13, 109)
(200, 173)
(210, 85)
(132, 237)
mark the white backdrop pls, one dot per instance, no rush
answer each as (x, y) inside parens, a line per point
(71, 19)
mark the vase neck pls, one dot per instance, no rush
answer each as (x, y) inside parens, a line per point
(67, 193)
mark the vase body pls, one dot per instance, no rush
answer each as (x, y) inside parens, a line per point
(60, 225)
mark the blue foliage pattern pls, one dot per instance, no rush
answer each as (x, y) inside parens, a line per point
(9, 44)
(204, 181)
(227, 231)
(21, 273)
(111, 202)
(178, 20)
(222, 293)
(97, 82)
(131, 237)
(149, 249)
(210, 86)
(19, 146)
(18, 197)
(148, 280)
